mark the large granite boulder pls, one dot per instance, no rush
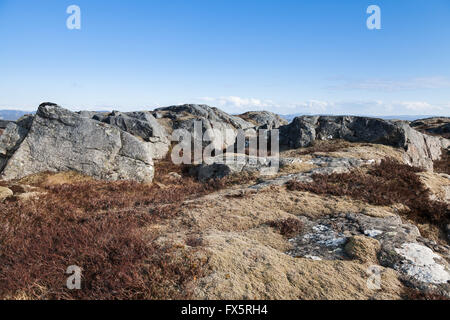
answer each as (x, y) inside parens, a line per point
(59, 140)
(439, 126)
(141, 124)
(12, 137)
(218, 127)
(421, 149)
(264, 119)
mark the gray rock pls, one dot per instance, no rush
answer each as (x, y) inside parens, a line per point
(140, 124)
(13, 136)
(264, 119)
(417, 263)
(185, 116)
(421, 149)
(4, 123)
(60, 140)
(222, 166)
(205, 112)
(435, 126)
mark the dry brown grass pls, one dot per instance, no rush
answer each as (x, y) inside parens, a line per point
(383, 184)
(443, 165)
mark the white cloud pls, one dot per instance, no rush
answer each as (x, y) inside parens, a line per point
(237, 105)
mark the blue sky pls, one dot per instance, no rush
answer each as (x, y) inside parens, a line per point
(284, 56)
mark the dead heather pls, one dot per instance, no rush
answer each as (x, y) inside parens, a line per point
(383, 184)
(103, 227)
(287, 227)
(443, 165)
(413, 294)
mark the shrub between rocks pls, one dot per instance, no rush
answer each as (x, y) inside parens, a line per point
(386, 183)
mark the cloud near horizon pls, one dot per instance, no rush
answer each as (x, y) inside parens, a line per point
(238, 105)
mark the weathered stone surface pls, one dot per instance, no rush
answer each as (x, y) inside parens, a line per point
(203, 111)
(12, 137)
(264, 119)
(140, 124)
(435, 126)
(184, 117)
(422, 264)
(224, 165)
(60, 140)
(421, 149)
(398, 245)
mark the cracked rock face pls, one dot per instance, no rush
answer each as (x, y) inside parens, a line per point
(141, 124)
(401, 247)
(219, 128)
(60, 140)
(421, 149)
(264, 119)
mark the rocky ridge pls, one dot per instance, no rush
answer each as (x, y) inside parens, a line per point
(340, 240)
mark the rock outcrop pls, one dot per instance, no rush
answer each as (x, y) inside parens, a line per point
(218, 127)
(264, 119)
(59, 140)
(398, 246)
(13, 136)
(141, 124)
(4, 123)
(435, 126)
(421, 149)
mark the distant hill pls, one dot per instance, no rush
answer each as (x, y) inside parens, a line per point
(290, 117)
(13, 115)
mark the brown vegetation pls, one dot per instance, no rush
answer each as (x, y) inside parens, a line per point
(443, 165)
(287, 227)
(383, 184)
(325, 146)
(99, 226)
(413, 294)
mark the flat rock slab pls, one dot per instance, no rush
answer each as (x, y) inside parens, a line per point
(401, 247)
